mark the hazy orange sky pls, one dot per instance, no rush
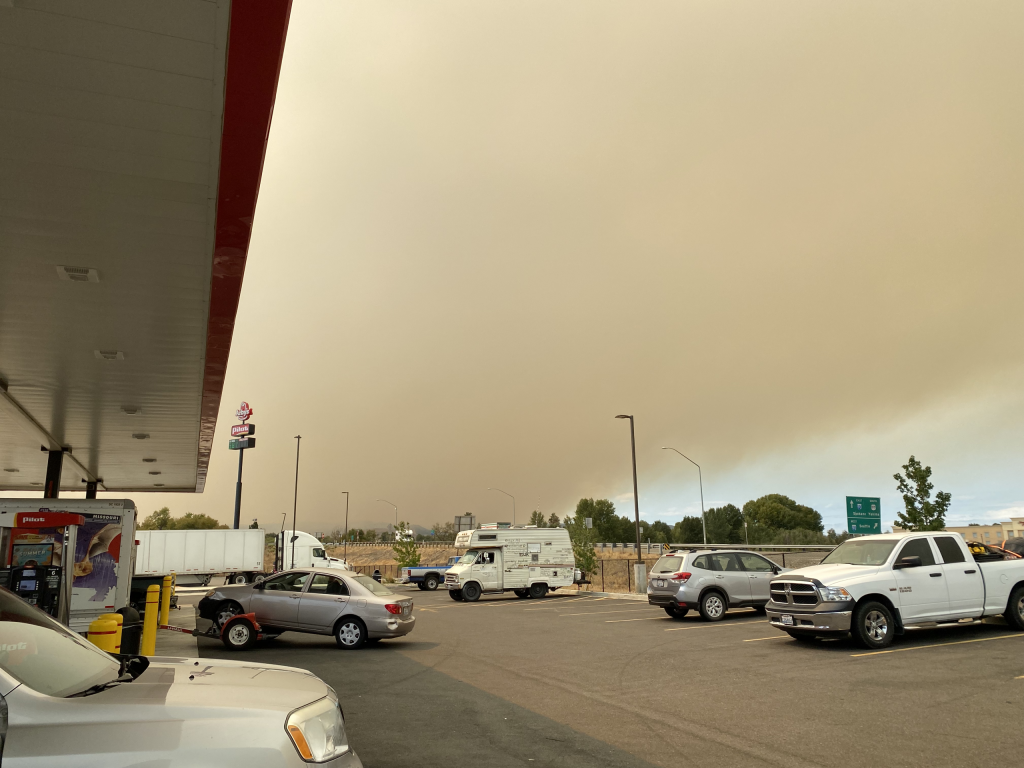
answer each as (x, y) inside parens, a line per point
(786, 236)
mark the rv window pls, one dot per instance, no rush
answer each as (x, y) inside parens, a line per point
(547, 543)
(489, 536)
(533, 547)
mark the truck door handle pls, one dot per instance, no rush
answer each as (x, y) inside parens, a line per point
(933, 575)
(971, 571)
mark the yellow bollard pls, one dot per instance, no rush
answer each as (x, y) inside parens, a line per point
(102, 633)
(149, 624)
(165, 602)
(118, 619)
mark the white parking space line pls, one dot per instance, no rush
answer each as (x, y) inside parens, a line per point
(649, 618)
(773, 637)
(719, 626)
(935, 645)
(598, 613)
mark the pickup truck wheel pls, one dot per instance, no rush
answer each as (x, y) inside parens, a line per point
(471, 592)
(350, 633)
(537, 591)
(455, 594)
(421, 586)
(712, 606)
(873, 625)
(521, 593)
(1015, 608)
(676, 612)
(430, 582)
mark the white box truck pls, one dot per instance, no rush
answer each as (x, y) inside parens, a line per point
(529, 561)
(194, 556)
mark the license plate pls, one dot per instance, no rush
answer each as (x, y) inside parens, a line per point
(660, 583)
(787, 619)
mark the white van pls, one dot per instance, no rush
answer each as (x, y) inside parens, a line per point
(529, 561)
(309, 553)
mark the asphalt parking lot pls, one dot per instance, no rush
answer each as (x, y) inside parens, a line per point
(585, 681)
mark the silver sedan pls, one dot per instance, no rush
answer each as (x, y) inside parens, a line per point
(325, 601)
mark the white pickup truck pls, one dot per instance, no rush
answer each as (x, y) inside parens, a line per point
(874, 586)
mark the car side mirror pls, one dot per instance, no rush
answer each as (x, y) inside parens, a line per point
(908, 562)
(258, 585)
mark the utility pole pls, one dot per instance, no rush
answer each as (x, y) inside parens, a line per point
(636, 497)
(700, 480)
(346, 526)
(295, 504)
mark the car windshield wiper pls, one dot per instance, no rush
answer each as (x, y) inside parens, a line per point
(126, 678)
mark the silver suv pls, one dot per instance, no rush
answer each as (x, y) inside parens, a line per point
(710, 581)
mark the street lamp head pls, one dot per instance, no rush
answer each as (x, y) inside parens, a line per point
(623, 417)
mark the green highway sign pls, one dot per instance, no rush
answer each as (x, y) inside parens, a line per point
(863, 514)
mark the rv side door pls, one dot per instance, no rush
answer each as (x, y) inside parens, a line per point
(487, 568)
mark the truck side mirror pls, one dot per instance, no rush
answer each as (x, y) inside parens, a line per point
(908, 562)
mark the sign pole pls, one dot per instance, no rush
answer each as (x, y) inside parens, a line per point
(238, 489)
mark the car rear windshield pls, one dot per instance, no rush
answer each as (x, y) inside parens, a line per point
(861, 552)
(45, 655)
(370, 584)
(668, 565)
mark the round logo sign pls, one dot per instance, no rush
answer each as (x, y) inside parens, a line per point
(244, 411)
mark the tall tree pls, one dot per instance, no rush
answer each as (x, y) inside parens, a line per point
(407, 554)
(553, 521)
(725, 525)
(193, 521)
(922, 514)
(160, 520)
(583, 540)
(689, 530)
(537, 518)
(607, 526)
(776, 511)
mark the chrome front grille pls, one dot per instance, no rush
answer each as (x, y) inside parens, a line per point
(793, 593)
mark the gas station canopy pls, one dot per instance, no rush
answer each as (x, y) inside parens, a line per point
(133, 137)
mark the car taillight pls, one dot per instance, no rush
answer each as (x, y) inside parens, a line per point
(393, 608)
(681, 577)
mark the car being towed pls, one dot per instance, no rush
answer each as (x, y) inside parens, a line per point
(64, 703)
(352, 607)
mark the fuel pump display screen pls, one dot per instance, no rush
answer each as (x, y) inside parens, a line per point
(27, 585)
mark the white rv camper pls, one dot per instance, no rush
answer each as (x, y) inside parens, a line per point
(528, 561)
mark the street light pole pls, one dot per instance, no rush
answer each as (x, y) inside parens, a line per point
(396, 515)
(295, 504)
(346, 526)
(636, 497)
(513, 503)
(700, 480)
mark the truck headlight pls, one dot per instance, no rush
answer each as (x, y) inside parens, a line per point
(318, 731)
(834, 594)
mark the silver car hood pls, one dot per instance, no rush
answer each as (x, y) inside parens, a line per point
(213, 683)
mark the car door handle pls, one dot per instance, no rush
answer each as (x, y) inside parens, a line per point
(340, 599)
(719, 577)
(933, 575)
(294, 597)
(971, 571)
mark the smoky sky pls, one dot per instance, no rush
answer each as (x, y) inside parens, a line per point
(785, 236)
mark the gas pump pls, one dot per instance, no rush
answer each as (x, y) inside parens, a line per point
(72, 558)
(34, 558)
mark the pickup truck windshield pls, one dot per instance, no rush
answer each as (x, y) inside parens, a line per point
(44, 655)
(861, 552)
(668, 565)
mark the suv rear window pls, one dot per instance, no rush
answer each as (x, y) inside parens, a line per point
(668, 565)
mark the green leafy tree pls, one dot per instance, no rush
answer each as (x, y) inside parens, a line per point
(922, 514)
(406, 552)
(583, 540)
(689, 530)
(192, 521)
(606, 524)
(553, 521)
(160, 520)
(254, 524)
(537, 518)
(725, 525)
(776, 511)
